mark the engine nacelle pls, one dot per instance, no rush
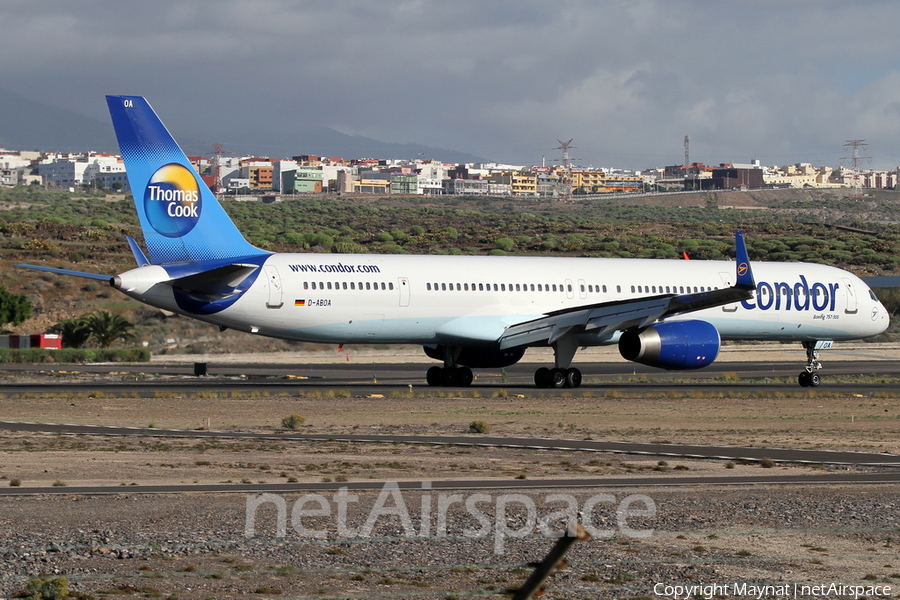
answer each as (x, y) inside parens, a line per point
(480, 358)
(674, 345)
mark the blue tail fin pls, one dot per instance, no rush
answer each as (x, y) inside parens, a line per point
(181, 219)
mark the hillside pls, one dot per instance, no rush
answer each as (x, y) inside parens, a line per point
(86, 232)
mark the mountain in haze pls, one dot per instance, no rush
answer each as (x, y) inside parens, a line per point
(26, 124)
(29, 125)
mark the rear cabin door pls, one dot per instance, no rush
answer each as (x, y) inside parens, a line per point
(276, 293)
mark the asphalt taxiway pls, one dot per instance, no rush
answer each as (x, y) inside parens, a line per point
(149, 379)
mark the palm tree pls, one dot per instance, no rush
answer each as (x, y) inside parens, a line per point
(74, 332)
(106, 327)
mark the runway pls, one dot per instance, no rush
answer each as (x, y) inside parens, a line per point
(151, 379)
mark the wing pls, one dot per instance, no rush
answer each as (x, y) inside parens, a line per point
(634, 313)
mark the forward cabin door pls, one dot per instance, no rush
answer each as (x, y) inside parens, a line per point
(852, 303)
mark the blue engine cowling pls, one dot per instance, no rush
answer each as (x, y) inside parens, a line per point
(480, 358)
(675, 345)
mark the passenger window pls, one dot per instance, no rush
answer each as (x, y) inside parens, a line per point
(383, 286)
(532, 287)
(444, 287)
(329, 285)
(569, 287)
(632, 289)
(582, 288)
(502, 287)
(618, 289)
(428, 286)
(352, 285)
(458, 287)
(540, 289)
(368, 286)
(390, 285)
(604, 289)
(344, 285)
(517, 288)
(305, 285)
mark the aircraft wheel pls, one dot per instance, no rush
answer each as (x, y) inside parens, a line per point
(814, 380)
(542, 378)
(464, 376)
(573, 378)
(433, 376)
(558, 378)
(804, 379)
(449, 376)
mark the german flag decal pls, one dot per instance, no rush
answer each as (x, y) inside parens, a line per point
(299, 302)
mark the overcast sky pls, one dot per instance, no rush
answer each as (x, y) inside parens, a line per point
(782, 81)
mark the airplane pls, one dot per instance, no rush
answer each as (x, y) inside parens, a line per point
(469, 312)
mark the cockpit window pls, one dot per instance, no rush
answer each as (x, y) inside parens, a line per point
(873, 296)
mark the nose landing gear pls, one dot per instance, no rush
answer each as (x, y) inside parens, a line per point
(809, 377)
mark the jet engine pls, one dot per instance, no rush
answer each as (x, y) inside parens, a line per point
(480, 358)
(674, 345)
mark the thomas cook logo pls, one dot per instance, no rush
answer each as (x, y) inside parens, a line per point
(742, 269)
(172, 200)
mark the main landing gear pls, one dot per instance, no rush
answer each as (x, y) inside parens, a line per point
(809, 377)
(449, 375)
(557, 377)
(562, 375)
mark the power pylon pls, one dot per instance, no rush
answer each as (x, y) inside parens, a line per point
(855, 161)
(565, 174)
(218, 150)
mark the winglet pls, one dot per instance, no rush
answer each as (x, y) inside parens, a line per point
(139, 256)
(743, 272)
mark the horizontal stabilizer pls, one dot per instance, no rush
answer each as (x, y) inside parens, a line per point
(220, 281)
(96, 276)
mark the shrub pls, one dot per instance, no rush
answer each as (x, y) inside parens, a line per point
(46, 589)
(479, 427)
(15, 482)
(506, 244)
(293, 422)
(767, 463)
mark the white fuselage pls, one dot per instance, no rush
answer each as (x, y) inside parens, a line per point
(472, 299)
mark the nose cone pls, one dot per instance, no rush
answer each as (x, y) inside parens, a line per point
(881, 318)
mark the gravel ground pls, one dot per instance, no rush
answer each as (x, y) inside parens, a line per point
(195, 545)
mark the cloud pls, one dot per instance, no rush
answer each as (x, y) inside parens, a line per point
(783, 81)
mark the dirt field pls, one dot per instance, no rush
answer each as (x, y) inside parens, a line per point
(194, 545)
